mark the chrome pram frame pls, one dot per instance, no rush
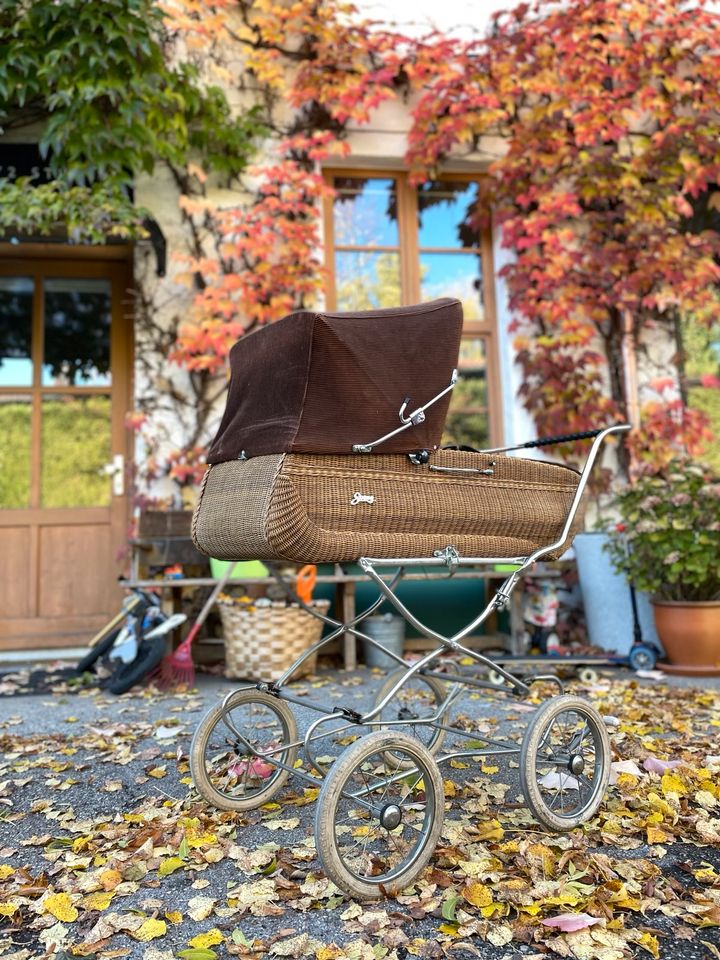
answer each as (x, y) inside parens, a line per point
(405, 793)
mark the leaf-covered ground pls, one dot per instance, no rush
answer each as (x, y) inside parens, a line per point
(106, 851)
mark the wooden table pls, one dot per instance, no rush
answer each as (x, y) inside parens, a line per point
(345, 599)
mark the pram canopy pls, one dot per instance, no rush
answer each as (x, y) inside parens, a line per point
(323, 382)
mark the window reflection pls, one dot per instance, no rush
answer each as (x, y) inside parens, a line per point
(447, 214)
(454, 275)
(365, 212)
(75, 447)
(467, 420)
(16, 304)
(15, 425)
(77, 332)
(367, 281)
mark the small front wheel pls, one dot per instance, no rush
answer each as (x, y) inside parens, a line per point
(232, 751)
(565, 763)
(377, 826)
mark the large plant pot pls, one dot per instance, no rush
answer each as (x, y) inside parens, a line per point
(606, 598)
(690, 633)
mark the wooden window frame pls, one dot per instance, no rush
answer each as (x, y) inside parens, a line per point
(409, 250)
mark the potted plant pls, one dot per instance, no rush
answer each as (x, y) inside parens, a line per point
(668, 544)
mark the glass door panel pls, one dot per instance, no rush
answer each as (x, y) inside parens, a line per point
(16, 308)
(15, 448)
(454, 275)
(75, 448)
(367, 281)
(467, 420)
(447, 214)
(365, 212)
(77, 315)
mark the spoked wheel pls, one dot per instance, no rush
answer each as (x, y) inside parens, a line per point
(233, 748)
(376, 826)
(418, 699)
(565, 763)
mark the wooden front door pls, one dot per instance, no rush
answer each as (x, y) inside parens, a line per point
(65, 348)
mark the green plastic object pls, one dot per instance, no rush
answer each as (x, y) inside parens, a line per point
(240, 568)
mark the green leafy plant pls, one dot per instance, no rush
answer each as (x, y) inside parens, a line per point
(111, 100)
(668, 540)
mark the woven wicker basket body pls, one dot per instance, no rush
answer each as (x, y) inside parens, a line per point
(260, 644)
(319, 509)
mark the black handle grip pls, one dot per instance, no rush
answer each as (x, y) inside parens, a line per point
(565, 438)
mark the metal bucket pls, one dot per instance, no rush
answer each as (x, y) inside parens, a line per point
(390, 632)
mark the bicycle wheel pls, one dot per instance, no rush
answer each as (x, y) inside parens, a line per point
(417, 699)
(99, 650)
(230, 771)
(565, 763)
(377, 827)
(126, 675)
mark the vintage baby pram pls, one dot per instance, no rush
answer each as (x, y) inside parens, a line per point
(310, 465)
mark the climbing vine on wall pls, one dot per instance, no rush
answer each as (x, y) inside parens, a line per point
(601, 126)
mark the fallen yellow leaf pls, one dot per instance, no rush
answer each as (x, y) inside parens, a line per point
(61, 907)
(478, 894)
(98, 901)
(650, 943)
(150, 930)
(170, 866)
(671, 783)
(209, 939)
(109, 879)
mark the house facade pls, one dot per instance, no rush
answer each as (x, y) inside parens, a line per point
(73, 361)
(87, 332)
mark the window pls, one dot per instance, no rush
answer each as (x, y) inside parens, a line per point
(388, 243)
(55, 388)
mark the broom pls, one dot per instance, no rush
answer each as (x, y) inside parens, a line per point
(177, 667)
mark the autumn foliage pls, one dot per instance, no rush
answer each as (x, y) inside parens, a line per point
(601, 121)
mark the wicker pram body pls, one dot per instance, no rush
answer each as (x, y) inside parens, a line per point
(317, 508)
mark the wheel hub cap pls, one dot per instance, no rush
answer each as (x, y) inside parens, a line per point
(577, 764)
(390, 816)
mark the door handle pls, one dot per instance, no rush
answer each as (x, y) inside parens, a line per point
(116, 470)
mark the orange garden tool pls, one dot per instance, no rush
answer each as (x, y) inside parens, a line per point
(305, 582)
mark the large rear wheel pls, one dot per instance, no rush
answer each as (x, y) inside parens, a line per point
(376, 826)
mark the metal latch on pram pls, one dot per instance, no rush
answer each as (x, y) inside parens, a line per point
(413, 420)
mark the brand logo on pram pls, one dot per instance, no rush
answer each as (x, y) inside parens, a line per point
(361, 498)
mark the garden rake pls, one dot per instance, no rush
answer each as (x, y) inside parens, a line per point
(177, 668)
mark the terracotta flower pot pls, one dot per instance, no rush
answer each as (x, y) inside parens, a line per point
(690, 633)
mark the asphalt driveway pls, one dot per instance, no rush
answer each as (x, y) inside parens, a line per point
(106, 850)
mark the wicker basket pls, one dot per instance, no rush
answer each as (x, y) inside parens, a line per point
(260, 644)
(326, 509)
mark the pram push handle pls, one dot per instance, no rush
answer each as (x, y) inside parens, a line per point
(549, 441)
